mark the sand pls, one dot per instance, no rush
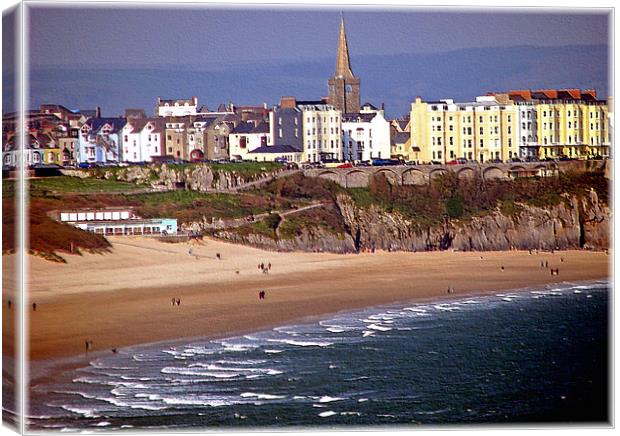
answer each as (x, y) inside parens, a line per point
(124, 298)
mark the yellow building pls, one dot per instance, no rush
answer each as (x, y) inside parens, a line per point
(483, 131)
(568, 122)
(500, 127)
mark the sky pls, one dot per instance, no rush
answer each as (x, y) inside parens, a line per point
(117, 56)
(211, 37)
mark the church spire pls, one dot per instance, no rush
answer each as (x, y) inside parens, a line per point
(343, 66)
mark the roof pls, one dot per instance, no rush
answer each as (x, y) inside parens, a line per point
(180, 101)
(400, 137)
(96, 123)
(358, 118)
(282, 148)
(370, 105)
(249, 128)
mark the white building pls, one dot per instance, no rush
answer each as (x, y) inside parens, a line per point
(176, 108)
(247, 137)
(527, 137)
(365, 136)
(142, 139)
(321, 131)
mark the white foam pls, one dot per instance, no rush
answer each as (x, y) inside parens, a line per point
(326, 414)
(351, 413)
(446, 307)
(361, 400)
(272, 351)
(335, 329)
(261, 396)
(328, 399)
(86, 413)
(367, 333)
(379, 327)
(302, 343)
(102, 424)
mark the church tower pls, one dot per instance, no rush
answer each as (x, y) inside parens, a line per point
(344, 87)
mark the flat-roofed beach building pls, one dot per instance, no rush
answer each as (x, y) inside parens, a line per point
(116, 221)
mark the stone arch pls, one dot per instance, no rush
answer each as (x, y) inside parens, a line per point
(389, 174)
(330, 175)
(517, 168)
(436, 173)
(466, 173)
(414, 177)
(357, 179)
(493, 173)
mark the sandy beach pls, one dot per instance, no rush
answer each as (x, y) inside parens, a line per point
(124, 297)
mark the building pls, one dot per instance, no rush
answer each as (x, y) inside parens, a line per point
(142, 139)
(483, 130)
(116, 222)
(320, 131)
(343, 86)
(365, 135)
(99, 140)
(248, 136)
(175, 144)
(286, 122)
(176, 108)
(272, 153)
(561, 122)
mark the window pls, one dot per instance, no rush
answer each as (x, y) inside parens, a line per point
(509, 142)
(126, 138)
(509, 118)
(481, 119)
(509, 130)
(482, 130)
(280, 133)
(481, 143)
(279, 121)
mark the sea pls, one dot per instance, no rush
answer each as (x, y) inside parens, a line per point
(529, 356)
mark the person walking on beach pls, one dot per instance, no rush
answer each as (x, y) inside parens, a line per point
(34, 307)
(269, 266)
(178, 301)
(9, 303)
(546, 264)
(219, 257)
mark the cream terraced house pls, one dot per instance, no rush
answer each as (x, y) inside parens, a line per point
(320, 131)
(484, 130)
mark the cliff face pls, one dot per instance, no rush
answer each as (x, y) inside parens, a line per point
(309, 239)
(575, 223)
(197, 177)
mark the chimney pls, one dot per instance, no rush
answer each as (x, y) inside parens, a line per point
(288, 102)
(98, 112)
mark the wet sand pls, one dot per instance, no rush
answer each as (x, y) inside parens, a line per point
(124, 298)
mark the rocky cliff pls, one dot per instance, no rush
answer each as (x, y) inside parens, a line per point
(197, 177)
(309, 239)
(573, 223)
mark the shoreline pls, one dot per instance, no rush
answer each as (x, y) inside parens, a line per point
(112, 300)
(47, 370)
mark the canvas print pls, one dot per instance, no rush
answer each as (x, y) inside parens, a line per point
(288, 217)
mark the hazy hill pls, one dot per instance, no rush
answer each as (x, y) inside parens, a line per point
(392, 79)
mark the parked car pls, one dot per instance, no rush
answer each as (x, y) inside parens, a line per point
(345, 165)
(435, 162)
(514, 160)
(362, 163)
(452, 162)
(531, 159)
(461, 160)
(496, 161)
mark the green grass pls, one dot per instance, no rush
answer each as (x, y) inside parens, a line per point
(188, 206)
(68, 184)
